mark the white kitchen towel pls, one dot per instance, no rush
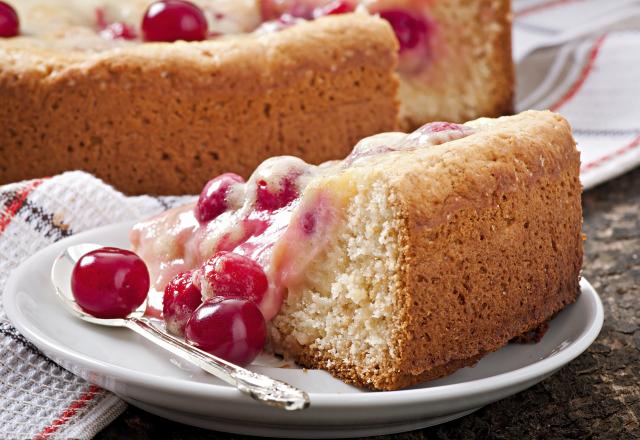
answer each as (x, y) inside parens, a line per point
(40, 399)
(589, 71)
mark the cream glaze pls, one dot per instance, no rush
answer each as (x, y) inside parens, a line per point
(294, 231)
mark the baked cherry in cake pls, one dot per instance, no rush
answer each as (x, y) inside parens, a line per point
(173, 20)
(119, 30)
(228, 274)
(410, 29)
(114, 30)
(274, 198)
(9, 22)
(230, 328)
(334, 7)
(181, 298)
(110, 282)
(213, 199)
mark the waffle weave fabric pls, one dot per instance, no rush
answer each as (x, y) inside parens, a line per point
(39, 398)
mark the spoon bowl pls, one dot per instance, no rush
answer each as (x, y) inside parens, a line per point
(61, 276)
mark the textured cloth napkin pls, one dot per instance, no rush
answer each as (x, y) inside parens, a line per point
(590, 73)
(590, 76)
(40, 399)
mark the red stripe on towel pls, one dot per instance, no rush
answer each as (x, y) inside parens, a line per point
(10, 211)
(69, 412)
(586, 70)
(606, 158)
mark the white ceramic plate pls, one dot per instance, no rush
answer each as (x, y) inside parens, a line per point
(148, 377)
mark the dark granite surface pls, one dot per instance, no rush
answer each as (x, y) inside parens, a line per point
(595, 396)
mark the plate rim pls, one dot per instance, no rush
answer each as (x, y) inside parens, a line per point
(173, 385)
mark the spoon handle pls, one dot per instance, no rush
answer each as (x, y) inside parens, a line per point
(261, 388)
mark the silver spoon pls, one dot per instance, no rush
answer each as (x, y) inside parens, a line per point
(260, 387)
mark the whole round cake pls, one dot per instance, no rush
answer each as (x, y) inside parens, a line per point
(241, 81)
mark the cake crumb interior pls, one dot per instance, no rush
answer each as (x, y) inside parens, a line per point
(344, 307)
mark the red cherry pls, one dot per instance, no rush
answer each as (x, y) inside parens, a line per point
(110, 282)
(181, 298)
(409, 29)
(333, 8)
(309, 223)
(172, 20)
(101, 19)
(302, 10)
(436, 127)
(269, 10)
(213, 198)
(233, 275)
(9, 22)
(270, 201)
(118, 30)
(230, 328)
(113, 31)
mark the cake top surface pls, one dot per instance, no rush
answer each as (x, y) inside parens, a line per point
(76, 25)
(268, 59)
(53, 43)
(88, 25)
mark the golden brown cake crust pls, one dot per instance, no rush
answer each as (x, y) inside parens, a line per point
(491, 248)
(164, 118)
(498, 255)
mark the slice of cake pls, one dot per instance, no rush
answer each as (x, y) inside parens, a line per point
(411, 258)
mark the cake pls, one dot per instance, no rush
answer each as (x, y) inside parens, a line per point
(79, 91)
(413, 257)
(72, 99)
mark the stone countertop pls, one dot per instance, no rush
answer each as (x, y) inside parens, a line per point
(595, 396)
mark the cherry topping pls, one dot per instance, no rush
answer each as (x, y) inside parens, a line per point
(410, 30)
(301, 10)
(309, 223)
(269, 9)
(113, 31)
(9, 22)
(213, 198)
(172, 20)
(333, 8)
(270, 201)
(434, 133)
(118, 30)
(436, 127)
(110, 282)
(283, 22)
(181, 298)
(233, 275)
(230, 328)
(247, 228)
